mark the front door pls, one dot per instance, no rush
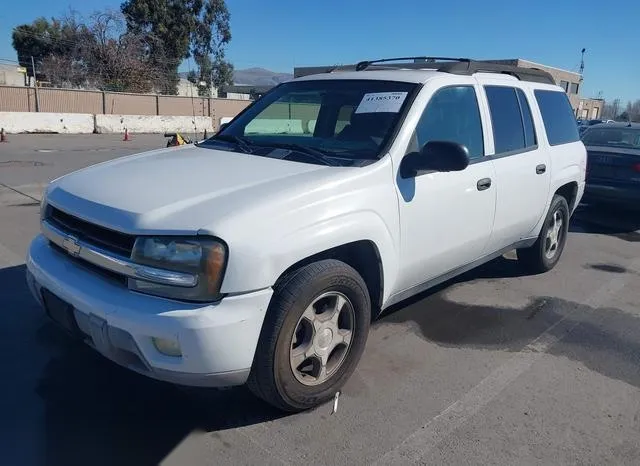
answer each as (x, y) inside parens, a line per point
(446, 218)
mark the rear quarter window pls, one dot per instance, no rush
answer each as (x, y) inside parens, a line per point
(557, 115)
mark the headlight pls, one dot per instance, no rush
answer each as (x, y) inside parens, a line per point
(204, 258)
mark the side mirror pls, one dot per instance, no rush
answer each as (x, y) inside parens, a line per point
(438, 156)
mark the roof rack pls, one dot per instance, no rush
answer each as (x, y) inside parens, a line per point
(363, 65)
(462, 66)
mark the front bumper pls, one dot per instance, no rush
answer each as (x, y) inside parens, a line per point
(217, 341)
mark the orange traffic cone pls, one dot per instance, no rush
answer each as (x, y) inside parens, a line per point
(126, 135)
(3, 137)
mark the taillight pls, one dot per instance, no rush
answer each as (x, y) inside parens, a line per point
(636, 167)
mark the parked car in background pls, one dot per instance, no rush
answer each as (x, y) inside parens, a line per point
(613, 164)
(584, 125)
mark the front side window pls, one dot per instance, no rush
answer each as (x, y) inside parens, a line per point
(452, 114)
(342, 120)
(508, 129)
(557, 115)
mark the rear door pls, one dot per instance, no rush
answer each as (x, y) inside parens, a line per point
(521, 166)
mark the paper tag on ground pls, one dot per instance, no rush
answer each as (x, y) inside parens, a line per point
(379, 102)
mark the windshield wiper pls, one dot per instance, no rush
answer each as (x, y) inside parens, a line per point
(242, 143)
(315, 154)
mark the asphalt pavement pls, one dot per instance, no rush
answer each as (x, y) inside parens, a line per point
(495, 367)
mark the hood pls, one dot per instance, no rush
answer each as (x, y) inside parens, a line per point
(175, 190)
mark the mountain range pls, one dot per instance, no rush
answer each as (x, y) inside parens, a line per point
(259, 77)
(256, 77)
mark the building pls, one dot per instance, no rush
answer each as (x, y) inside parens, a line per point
(12, 75)
(243, 91)
(583, 108)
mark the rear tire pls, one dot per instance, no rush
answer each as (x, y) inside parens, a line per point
(318, 318)
(546, 251)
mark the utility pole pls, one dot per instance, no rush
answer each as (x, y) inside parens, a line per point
(35, 83)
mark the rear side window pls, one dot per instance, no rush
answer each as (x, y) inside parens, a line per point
(559, 121)
(508, 129)
(527, 120)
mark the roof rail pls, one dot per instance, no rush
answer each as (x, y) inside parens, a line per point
(363, 65)
(522, 73)
(462, 66)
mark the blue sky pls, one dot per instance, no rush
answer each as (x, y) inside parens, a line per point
(286, 33)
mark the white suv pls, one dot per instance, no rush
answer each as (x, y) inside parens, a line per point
(261, 255)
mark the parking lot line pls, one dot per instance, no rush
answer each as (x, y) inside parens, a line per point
(20, 192)
(421, 441)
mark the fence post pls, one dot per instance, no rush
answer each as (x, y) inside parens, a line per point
(104, 103)
(209, 106)
(157, 104)
(35, 84)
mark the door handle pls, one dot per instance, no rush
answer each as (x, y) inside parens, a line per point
(540, 169)
(484, 183)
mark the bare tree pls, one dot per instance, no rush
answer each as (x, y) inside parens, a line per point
(117, 58)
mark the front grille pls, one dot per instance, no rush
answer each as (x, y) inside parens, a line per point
(110, 240)
(108, 274)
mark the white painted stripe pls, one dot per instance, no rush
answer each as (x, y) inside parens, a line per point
(420, 442)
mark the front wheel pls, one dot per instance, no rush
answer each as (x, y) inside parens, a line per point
(313, 336)
(546, 251)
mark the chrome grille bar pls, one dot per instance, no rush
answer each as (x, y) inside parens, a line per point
(112, 262)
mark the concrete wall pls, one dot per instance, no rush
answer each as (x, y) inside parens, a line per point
(28, 122)
(151, 124)
(79, 123)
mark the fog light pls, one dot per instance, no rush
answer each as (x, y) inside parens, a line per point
(167, 347)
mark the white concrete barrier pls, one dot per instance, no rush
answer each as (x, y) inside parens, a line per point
(152, 124)
(275, 126)
(32, 122)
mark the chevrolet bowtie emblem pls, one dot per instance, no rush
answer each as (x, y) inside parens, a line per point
(72, 246)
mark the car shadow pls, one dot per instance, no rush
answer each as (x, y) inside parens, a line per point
(606, 340)
(622, 224)
(86, 409)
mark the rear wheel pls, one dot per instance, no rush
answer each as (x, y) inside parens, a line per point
(546, 251)
(313, 336)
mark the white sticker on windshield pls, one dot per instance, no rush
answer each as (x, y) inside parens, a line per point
(378, 102)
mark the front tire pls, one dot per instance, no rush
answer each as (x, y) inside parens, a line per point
(313, 336)
(546, 251)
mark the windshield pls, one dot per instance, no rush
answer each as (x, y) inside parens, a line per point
(614, 137)
(345, 121)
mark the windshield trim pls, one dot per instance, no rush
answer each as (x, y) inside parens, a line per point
(383, 149)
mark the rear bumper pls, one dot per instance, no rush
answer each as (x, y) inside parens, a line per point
(217, 341)
(622, 196)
